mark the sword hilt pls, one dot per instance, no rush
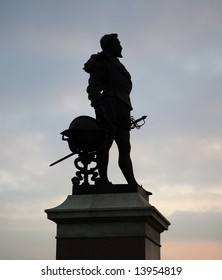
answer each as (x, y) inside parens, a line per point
(135, 123)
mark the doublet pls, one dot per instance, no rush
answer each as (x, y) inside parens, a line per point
(108, 77)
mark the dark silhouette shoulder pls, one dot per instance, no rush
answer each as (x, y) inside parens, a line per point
(95, 61)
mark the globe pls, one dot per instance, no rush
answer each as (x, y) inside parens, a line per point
(84, 134)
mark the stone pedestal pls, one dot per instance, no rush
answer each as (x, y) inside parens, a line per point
(108, 226)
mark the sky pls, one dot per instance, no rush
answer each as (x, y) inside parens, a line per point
(173, 51)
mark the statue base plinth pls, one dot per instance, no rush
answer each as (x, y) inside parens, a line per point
(106, 226)
(108, 188)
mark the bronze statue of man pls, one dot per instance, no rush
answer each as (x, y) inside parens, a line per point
(109, 92)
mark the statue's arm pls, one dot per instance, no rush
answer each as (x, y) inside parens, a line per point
(95, 88)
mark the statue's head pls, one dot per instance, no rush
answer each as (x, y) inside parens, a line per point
(111, 44)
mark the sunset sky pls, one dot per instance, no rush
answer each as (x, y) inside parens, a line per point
(173, 51)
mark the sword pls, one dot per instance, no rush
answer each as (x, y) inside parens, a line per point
(135, 123)
(61, 159)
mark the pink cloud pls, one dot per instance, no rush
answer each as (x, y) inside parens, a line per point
(191, 250)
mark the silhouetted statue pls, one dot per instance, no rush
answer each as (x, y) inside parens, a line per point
(109, 92)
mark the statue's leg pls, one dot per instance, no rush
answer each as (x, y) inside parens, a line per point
(103, 160)
(122, 139)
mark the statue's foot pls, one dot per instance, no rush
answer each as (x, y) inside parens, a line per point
(141, 189)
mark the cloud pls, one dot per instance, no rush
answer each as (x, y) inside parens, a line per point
(191, 161)
(190, 225)
(193, 235)
(33, 237)
(191, 250)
